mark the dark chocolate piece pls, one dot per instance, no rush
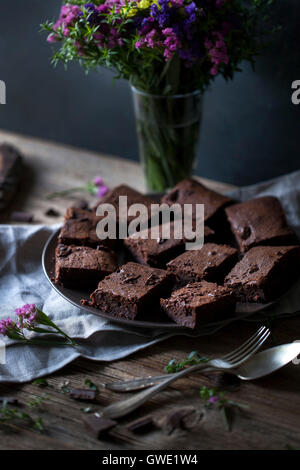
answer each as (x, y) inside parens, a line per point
(211, 263)
(83, 394)
(157, 252)
(265, 273)
(260, 221)
(52, 212)
(178, 418)
(190, 191)
(98, 426)
(82, 265)
(26, 217)
(131, 290)
(199, 303)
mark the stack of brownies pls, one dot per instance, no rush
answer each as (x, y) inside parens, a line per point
(250, 254)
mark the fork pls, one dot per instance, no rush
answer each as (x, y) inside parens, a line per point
(225, 363)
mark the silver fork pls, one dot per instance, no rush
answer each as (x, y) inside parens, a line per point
(226, 363)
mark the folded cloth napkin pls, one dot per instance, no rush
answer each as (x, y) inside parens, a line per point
(22, 281)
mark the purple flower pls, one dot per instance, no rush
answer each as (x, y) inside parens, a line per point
(102, 190)
(26, 315)
(213, 399)
(6, 325)
(98, 181)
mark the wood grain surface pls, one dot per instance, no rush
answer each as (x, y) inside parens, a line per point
(271, 420)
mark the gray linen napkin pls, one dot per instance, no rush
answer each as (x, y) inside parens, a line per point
(22, 281)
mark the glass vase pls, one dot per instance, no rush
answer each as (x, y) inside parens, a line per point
(168, 131)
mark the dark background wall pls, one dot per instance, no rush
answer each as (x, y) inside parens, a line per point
(250, 129)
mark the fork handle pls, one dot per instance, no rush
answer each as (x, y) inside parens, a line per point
(124, 407)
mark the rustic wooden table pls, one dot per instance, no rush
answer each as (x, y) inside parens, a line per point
(272, 418)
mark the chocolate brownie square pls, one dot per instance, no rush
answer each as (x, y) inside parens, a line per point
(260, 221)
(157, 252)
(80, 229)
(133, 197)
(132, 289)
(211, 263)
(199, 303)
(190, 191)
(264, 273)
(82, 265)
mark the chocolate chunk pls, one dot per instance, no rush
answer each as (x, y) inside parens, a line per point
(83, 394)
(226, 381)
(178, 418)
(52, 212)
(26, 217)
(97, 425)
(141, 425)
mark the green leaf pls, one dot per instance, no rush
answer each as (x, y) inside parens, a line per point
(90, 384)
(41, 382)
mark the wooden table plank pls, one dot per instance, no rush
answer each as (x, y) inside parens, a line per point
(272, 420)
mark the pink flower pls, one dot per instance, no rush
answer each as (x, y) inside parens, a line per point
(6, 325)
(98, 181)
(213, 399)
(102, 190)
(27, 315)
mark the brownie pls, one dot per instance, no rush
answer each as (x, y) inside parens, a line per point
(260, 221)
(132, 289)
(157, 252)
(211, 263)
(78, 265)
(264, 273)
(133, 197)
(80, 229)
(190, 191)
(199, 303)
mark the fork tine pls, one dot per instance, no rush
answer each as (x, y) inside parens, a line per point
(252, 350)
(232, 354)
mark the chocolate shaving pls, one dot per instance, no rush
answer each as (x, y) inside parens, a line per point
(21, 217)
(178, 418)
(83, 394)
(52, 212)
(226, 381)
(98, 426)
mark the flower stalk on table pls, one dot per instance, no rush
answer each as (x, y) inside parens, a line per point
(28, 318)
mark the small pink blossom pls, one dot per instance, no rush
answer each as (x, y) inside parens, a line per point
(26, 315)
(102, 190)
(6, 325)
(213, 399)
(98, 181)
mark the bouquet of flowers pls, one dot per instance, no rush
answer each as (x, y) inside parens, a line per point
(164, 48)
